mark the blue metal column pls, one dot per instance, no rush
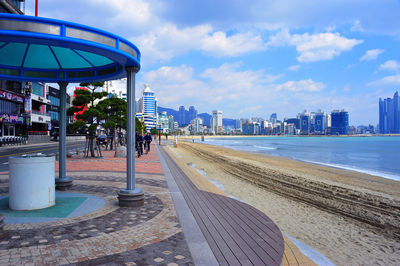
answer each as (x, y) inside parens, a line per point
(131, 196)
(63, 182)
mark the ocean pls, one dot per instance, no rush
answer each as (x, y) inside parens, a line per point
(378, 155)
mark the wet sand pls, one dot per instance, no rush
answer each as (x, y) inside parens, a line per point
(351, 218)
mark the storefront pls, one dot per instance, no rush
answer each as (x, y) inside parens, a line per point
(40, 122)
(12, 120)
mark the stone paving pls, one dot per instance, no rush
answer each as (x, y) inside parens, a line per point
(148, 235)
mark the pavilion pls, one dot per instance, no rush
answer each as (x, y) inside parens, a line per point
(54, 51)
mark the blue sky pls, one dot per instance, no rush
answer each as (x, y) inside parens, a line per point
(253, 58)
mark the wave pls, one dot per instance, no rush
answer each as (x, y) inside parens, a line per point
(360, 170)
(265, 147)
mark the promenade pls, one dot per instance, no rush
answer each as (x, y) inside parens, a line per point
(181, 223)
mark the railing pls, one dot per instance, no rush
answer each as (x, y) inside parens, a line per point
(37, 112)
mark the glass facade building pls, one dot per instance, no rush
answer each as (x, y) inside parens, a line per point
(305, 123)
(192, 113)
(149, 108)
(320, 122)
(340, 122)
(389, 115)
(182, 116)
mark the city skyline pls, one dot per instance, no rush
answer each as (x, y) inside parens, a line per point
(255, 59)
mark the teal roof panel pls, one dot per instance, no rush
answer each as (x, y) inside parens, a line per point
(68, 58)
(95, 59)
(40, 57)
(12, 54)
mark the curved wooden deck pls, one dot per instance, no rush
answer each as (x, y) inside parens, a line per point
(237, 233)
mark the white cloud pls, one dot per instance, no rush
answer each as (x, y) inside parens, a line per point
(138, 14)
(302, 85)
(218, 44)
(371, 55)
(322, 46)
(179, 74)
(314, 47)
(391, 65)
(294, 67)
(168, 41)
(386, 81)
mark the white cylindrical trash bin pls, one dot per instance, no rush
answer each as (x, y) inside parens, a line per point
(31, 182)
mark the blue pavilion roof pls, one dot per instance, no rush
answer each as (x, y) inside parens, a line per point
(49, 50)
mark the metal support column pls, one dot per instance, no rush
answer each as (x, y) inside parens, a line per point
(131, 196)
(63, 182)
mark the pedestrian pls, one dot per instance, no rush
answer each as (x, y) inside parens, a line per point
(147, 140)
(110, 138)
(139, 144)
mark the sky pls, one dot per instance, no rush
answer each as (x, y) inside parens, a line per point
(251, 58)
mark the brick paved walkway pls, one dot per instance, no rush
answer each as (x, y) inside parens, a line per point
(148, 235)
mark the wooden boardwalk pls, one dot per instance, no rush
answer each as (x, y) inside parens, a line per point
(237, 233)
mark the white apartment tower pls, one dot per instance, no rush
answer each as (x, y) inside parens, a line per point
(216, 121)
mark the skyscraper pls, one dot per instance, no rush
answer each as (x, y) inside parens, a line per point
(320, 122)
(192, 113)
(216, 121)
(149, 108)
(340, 122)
(273, 118)
(182, 116)
(389, 115)
(305, 122)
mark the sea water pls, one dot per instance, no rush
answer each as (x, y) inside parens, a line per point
(375, 155)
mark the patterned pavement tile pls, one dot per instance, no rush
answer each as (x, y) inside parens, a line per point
(148, 235)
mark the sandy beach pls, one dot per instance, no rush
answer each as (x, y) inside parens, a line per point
(349, 217)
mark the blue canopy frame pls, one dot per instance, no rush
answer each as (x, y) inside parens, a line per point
(60, 39)
(50, 50)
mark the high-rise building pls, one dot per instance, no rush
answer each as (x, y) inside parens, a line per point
(248, 128)
(320, 122)
(192, 113)
(389, 115)
(273, 118)
(197, 125)
(305, 122)
(340, 122)
(163, 122)
(294, 121)
(216, 122)
(171, 124)
(182, 116)
(147, 105)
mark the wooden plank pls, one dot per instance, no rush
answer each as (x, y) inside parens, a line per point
(220, 227)
(218, 246)
(240, 238)
(259, 245)
(260, 220)
(270, 233)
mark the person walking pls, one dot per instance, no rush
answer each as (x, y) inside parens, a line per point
(139, 144)
(147, 140)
